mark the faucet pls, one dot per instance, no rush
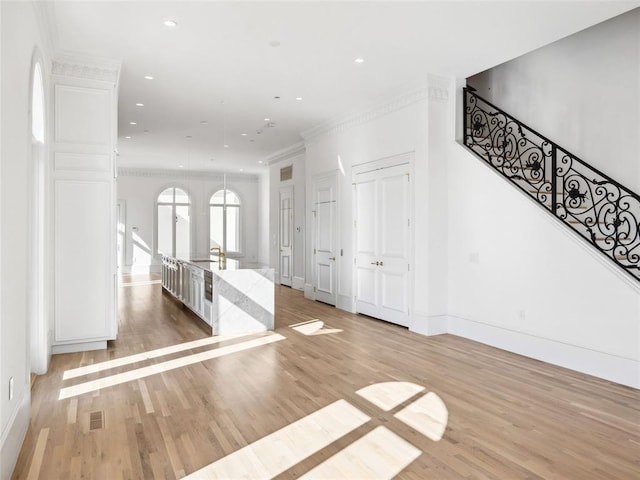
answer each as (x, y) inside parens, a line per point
(221, 255)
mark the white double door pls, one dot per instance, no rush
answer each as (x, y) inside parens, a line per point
(383, 243)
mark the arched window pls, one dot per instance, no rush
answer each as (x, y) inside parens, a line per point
(224, 221)
(174, 232)
(37, 105)
(38, 321)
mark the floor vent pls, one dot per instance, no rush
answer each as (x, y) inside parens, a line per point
(96, 420)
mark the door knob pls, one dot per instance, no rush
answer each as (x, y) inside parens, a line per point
(332, 258)
(381, 263)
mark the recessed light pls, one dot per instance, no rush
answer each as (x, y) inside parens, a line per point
(181, 166)
(359, 60)
(243, 134)
(128, 136)
(132, 123)
(241, 170)
(226, 146)
(148, 77)
(203, 122)
(139, 104)
(276, 97)
(298, 98)
(260, 162)
(170, 23)
(188, 136)
(267, 119)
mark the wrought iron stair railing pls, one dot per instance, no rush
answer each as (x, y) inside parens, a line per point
(601, 210)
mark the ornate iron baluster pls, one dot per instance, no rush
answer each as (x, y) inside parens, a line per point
(600, 209)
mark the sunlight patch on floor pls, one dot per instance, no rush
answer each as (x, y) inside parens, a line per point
(379, 455)
(119, 378)
(427, 415)
(314, 327)
(140, 357)
(281, 450)
(389, 395)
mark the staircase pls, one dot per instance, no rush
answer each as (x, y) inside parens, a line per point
(604, 212)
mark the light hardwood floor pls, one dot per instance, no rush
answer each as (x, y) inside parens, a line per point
(291, 404)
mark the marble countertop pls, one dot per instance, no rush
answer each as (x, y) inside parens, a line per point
(214, 264)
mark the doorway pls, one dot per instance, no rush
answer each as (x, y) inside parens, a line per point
(382, 238)
(325, 268)
(285, 232)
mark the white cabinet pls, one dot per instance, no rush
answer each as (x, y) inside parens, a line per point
(84, 205)
(185, 281)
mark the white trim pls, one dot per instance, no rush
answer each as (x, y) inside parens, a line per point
(346, 303)
(88, 67)
(625, 371)
(309, 293)
(13, 435)
(298, 283)
(429, 324)
(184, 175)
(287, 153)
(79, 347)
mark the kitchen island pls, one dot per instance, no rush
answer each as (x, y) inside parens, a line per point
(231, 296)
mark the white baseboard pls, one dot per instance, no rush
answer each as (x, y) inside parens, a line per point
(298, 283)
(429, 324)
(308, 292)
(79, 347)
(345, 302)
(624, 371)
(13, 435)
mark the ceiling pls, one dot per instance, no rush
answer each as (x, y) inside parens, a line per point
(227, 67)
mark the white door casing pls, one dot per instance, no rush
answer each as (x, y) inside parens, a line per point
(325, 272)
(383, 243)
(285, 231)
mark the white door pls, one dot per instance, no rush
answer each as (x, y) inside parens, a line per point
(286, 236)
(325, 263)
(382, 227)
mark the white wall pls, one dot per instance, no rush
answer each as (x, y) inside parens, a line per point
(521, 281)
(139, 190)
(411, 123)
(583, 92)
(20, 37)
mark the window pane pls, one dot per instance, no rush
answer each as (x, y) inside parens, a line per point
(183, 246)
(165, 229)
(215, 227)
(166, 196)
(181, 196)
(232, 198)
(217, 198)
(233, 229)
(37, 106)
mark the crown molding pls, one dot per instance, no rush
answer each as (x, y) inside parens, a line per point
(71, 64)
(286, 153)
(436, 90)
(184, 175)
